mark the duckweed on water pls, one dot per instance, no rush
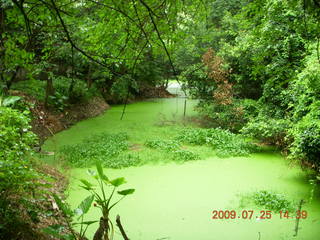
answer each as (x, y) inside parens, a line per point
(225, 143)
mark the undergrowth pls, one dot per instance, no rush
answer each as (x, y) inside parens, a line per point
(107, 148)
(225, 143)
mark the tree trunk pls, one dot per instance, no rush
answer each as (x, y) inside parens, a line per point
(49, 91)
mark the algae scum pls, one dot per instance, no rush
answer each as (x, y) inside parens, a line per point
(179, 185)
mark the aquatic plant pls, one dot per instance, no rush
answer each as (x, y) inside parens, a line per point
(225, 143)
(172, 148)
(125, 159)
(104, 147)
(101, 199)
(167, 145)
(182, 155)
(272, 201)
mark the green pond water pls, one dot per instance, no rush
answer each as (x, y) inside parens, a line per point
(175, 201)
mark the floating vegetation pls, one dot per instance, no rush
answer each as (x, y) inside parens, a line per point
(173, 149)
(268, 200)
(272, 201)
(225, 143)
(107, 148)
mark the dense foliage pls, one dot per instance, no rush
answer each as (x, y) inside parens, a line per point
(114, 49)
(17, 176)
(255, 68)
(16, 140)
(252, 64)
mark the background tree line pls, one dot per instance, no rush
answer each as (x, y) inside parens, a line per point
(263, 62)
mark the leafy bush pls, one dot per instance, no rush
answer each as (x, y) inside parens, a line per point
(17, 177)
(268, 130)
(225, 143)
(272, 201)
(80, 91)
(306, 136)
(34, 88)
(16, 140)
(9, 101)
(250, 108)
(58, 101)
(232, 117)
(103, 147)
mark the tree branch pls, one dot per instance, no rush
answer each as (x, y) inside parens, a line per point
(70, 39)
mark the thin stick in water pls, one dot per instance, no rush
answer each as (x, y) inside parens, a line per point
(296, 229)
(123, 233)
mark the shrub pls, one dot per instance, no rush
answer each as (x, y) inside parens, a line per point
(225, 143)
(250, 108)
(16, 140)
(268, 130)
(80, 91)
(232, 117)
(58, 101)
(34, 88)
(306, 136)
(17, 177)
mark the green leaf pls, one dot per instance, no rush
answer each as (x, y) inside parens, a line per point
(84, 206)
(68, 237)
(89, 222)
(100, 171)
(118, 181)
(62, 206)
(87, 185)
(126, 192)
(54, 230)
(10, 100)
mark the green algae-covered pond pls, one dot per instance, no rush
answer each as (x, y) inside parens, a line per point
(176, 201)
